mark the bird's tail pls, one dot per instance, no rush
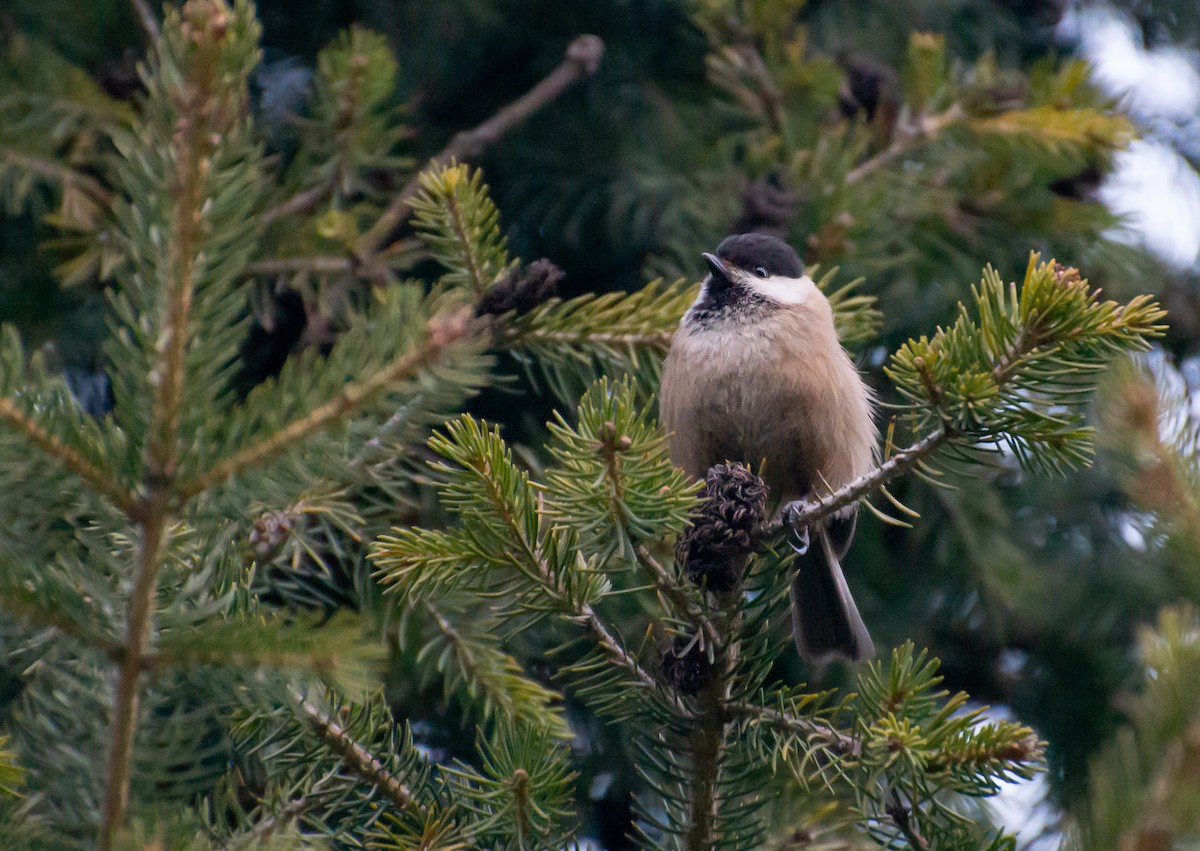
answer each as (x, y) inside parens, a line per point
(825, 622)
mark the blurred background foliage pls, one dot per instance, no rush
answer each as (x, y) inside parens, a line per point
(884, 137)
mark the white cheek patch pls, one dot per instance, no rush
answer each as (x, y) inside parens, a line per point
(783, 290)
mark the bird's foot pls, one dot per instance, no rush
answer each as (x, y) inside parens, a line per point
(797, 535)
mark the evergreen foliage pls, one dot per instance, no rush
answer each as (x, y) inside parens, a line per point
(200, 585)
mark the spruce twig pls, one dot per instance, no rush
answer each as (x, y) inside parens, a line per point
(266, 827)
(315, 264)
(839, 743)
(582, 60)
(56, 172)
(803, 513)
(193, 140)
(98, 479)
(356, 757)
(926, 130)
(127, 696)
(440, 332)
(677, 595)
(304, 201)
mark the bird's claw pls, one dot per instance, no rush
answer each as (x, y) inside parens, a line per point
(797, 535)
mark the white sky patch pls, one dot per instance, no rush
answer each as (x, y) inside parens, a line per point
(1022, 807)
(1152, 187)
(1161, 82)
(1158, 195)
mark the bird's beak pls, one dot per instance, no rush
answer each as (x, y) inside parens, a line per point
(717, 266)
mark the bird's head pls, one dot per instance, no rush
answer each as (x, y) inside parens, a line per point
(754, 270)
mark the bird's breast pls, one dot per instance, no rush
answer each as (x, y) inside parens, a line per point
(781, 394)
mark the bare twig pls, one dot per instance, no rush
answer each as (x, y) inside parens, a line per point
(653, 339)
(581, 60)
(318, 264)
(302, 202)
(925, 130)
(58, 173)
(146, 18)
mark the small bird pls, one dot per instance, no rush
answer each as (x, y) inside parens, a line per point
(756, 374)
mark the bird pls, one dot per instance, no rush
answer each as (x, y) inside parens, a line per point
(756, 374)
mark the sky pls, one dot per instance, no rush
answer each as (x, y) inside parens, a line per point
(1152, 187)
(1158, 194)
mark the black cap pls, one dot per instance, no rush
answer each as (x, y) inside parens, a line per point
(748, 250)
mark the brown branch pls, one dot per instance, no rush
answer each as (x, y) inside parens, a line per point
(902, 816)
(832, 739)
(58, 173)
(304, 201)
(127, 694)
(581, 60)
(101, 481)
(440, 333)
(709, 733)
(316, 264)
(266, 827)
(925, 130)
(678, 596)
(658, 339)
(356, 757)
(802, 513)
(146, 18)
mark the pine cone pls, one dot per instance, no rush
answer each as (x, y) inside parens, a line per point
(686, 666)
(869, 87)
(714, 550)
(521, 290)
(767, 207)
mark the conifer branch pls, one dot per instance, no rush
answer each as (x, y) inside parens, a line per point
(617, 652)
(356, 757)
(199, 105)
(493, 675)
(266, 827)
(678, 596)
(708, 737)
(829, 738)
(440, 332)
(195, 137)
(582, 60)
(57, 173)
(582, 611)
(802, 513)
(26, 607)
(649, 339)
(1054, 318)
(99, 480)
(127, 694)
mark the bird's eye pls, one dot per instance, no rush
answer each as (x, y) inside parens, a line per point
(761, 271)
